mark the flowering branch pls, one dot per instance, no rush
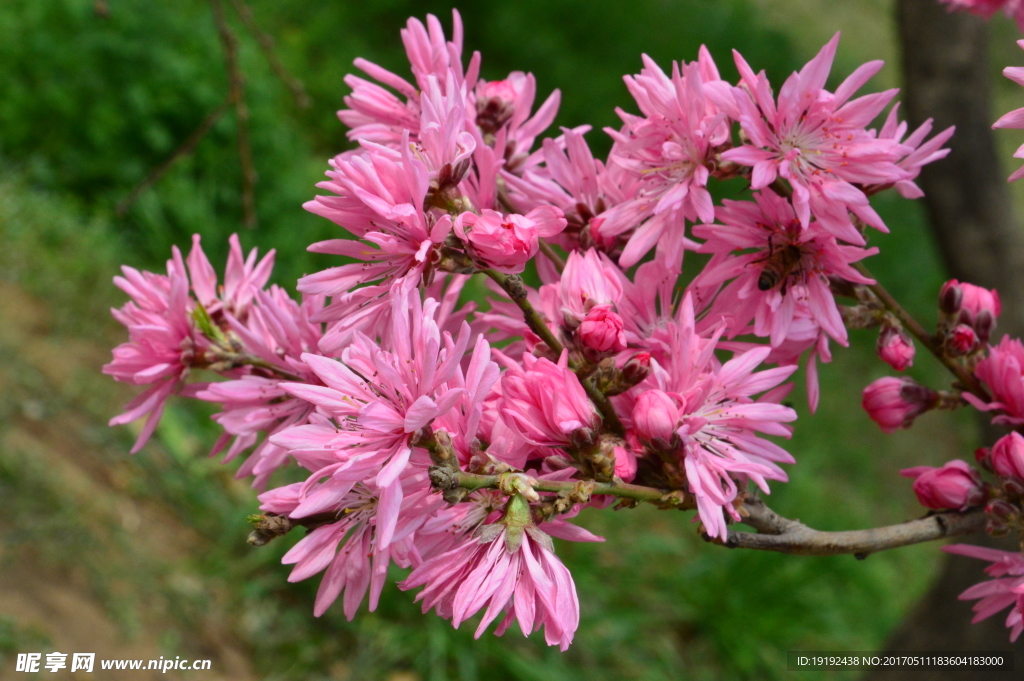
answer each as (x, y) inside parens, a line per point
(776, 533)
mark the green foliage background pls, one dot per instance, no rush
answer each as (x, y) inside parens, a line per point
(89, 104)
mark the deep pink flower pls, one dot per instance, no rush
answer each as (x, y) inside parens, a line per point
(1001, 372)
(1006, 590)
(986, 8)
(380, 395)
(602, 330)
(1008, 456)
(955, 485)
(669, 148)
(1015, 119)
(974, 306)
(162, 345)
(507, 242)
(817, 140)
(780, 264)
(895, 348)
(508, 567)
(894, 403)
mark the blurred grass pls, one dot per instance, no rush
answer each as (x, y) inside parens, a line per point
(88, 105)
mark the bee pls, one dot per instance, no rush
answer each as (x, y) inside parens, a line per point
(778, 265)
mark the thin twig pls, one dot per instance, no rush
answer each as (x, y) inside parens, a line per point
(623, 490)
(966, 379)
(237, 88)
(776, 533)
(266, 43)
(552, 255)
(184, 149)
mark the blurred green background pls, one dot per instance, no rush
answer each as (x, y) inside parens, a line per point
(146, 556)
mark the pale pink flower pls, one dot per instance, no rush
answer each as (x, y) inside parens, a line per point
(894, 403)
(817, 141)
(1008, 456)
(986, 8)
(918, 152)
(1015, 118)
(503, 113)
(1006, 590)
(804, 335)
(1001, 373)
(895, 348)
(243, 278)
(717, 419)
(507, 242)
(669, 148)
(512, 571)
(545, 402)
(780, 264)
(375, 114)
(954, 485)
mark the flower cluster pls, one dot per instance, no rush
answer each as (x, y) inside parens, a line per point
(460, 442)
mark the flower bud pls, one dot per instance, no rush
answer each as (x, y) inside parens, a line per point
(655, 416)
(1008, 456)
(507, 242)
(1013, 487)
(954, 486)
(1001, 511)
(495, 104)
(637, 368)
(951, 297)
(962, 340)
(977, 300)
(983, 455)
(894, 403)
(895, 348)
(602, 330)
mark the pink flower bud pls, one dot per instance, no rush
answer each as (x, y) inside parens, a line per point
(602, 330)
(507, 242)
(625, 463)
(1008, 456)
(655, 416)
(962, 339)
(951, 297)
(955, 485)
(895, 348)
(894, 403)
(977, 300)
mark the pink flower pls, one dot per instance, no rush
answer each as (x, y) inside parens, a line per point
(162, 344)
(243, 278)
(817, 141)
(1001, 372)
(955, 485)
(1015, 119)
(669, 149)
(655, 416)
(894, 403)
(715, 432)
(602, 330)
(780, 265)
(508, 567)
(918, 152)
(545, 403)
(1008, 456)
(503, 111)
(895, 348)
(507, 242)
(986, 8)
(1006, 590)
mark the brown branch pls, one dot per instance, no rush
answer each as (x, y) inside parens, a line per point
(266, 43)
(776, 533)
(184, 149)
(269, 526)
(237, 89)
(549, 251)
